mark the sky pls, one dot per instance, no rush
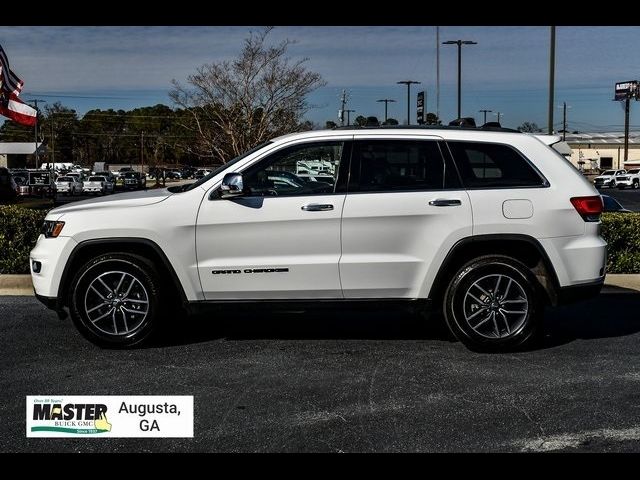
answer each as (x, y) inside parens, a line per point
(507, 71)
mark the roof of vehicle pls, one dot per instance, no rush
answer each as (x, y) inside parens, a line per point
(427, 130)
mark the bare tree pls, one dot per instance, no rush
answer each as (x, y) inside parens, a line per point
(235, 105)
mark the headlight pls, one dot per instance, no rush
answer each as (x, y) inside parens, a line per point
(51, 229)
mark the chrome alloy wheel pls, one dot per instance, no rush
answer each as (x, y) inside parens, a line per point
(116, 303)
(495, 306)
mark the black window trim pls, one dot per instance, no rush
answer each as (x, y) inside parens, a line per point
(545, 183)
(447, 163)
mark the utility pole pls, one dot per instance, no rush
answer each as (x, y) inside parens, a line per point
(386, 101)
(348, 116)
(459, 43)
(142, 151)
(552, 72)
(35, 102)
(626, 128)
(343, 101)
(485, 114)
(564, 107)
(499, 114)
(53, 143)
(438, 72)
(408, 83)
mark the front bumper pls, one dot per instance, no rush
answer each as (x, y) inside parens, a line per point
(53, 254)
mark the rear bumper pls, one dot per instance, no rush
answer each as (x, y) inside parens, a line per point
(578, 293)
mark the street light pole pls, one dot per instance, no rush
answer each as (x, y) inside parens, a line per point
(564, 107)
(459, 43)
(349, 116)
(552, 72)
(485, 114)
(499, 114)
(408, 84)
(386, 101)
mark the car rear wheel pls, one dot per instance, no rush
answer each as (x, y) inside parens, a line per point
(494, 303)
(636, 184)
(115, 300)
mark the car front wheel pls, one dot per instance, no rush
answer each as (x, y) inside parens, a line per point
(493, 303)
(115, 300)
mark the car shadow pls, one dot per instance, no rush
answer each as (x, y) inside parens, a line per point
(613, 314)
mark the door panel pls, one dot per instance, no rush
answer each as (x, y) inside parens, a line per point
(281, 238)
(248, 234)
(392, 243)
(404, 211)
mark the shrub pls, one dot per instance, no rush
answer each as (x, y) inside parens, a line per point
(622, 233)
(19, 230)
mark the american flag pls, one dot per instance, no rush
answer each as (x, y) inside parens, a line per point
(10, 81)
(10, 86)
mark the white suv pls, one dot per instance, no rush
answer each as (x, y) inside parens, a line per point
(489, 226)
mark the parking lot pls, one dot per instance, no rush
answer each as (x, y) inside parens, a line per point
(343, 382)
(629, 199)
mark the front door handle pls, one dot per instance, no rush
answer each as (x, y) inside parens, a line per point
(317, 207)
(445, 202)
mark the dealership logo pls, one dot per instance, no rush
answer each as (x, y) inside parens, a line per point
(77, 418)
(110, 416)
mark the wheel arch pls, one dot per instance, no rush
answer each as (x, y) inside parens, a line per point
(139, 246)
(521, 247)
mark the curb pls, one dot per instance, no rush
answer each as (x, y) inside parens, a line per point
(21, 284)
(15, 285)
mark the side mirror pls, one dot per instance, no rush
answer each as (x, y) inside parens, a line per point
(232, 185)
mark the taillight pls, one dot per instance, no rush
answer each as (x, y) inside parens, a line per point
(589, 208)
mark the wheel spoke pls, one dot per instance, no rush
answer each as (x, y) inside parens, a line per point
(483, 321)
(495, 324)
(97, 307)
(497, 287)
(115, 326)
(506, 323)
(124, 317)
(475, 298)
(481, 289)
(506, 292)
(480, 310)
(103, 316)
(133, 311)
(513, 311)
(521, 300)
(105, 285)
(135, 301)
(133, 280)
(94, 289)
(120, 282)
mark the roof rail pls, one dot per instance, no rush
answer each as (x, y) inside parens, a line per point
(485, 127)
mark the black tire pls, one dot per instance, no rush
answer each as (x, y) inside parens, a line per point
(81, 294)
(636, 184)
(503, 330)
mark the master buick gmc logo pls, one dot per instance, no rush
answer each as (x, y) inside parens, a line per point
(250, 270)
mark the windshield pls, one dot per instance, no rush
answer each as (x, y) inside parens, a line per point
(65, 179)
(634, 171)
(608, 172)
(96, 179)
(208, 177)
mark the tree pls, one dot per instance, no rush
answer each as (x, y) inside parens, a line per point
(329, 124)
(372, 122)
(360, 121)
(391, 121)
(235, 105)
(432, 119)
(529, 127)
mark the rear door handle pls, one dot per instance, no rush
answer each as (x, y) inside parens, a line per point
(317, 207)
(445, 202)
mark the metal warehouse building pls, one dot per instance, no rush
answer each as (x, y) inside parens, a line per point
(593, 151)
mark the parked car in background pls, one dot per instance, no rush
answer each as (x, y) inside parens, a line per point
(97, 184)
(172, 175)
(608, 178)
(134, 181)
(8, 187)
(68, 185)
(188, 172)
(613, 205)
(201, 174)
(631, 179)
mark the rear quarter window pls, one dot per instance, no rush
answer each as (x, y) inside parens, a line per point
(493, 165)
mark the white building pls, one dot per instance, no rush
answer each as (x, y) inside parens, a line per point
(19, 154)
(592, 151)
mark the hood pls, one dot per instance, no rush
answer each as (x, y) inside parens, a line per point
(118, 200)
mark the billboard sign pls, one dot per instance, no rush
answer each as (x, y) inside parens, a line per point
(626, 90)
(420, 108)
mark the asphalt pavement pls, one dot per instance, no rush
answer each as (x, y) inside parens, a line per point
(628, 198)
(343, 381)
